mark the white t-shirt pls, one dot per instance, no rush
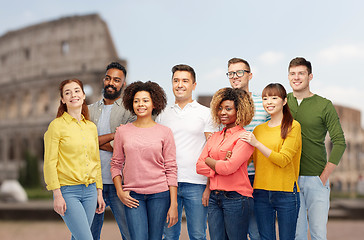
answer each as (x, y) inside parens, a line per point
(188, 126)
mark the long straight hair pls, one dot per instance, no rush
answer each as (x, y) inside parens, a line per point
(63, 107)
(276, 89)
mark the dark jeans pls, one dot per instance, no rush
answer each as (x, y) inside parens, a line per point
(118, 209)
(228, 215)
(146, 222)
(253, 231)
(270, 205)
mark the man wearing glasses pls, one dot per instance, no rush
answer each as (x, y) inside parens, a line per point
(108, 114)
(239, 75)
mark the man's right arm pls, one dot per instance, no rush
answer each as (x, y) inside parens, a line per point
(104, 142)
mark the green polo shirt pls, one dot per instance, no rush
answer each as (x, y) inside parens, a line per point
(317, 116)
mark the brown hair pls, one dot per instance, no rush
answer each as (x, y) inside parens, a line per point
(300, 61)
(276, 89)
(184, 67)
(242, 101)
(63, 107)
(238, 60)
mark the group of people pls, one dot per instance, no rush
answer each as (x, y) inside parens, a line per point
(240, 166)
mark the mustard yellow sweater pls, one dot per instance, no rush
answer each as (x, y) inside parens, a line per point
(280, 170)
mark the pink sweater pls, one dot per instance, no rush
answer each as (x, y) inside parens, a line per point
(149, 155)
(231, 174)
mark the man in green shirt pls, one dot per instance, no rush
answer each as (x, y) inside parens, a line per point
(317, 116)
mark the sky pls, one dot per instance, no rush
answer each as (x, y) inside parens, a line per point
(153, 36)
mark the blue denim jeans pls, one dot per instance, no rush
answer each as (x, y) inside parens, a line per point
(253, 231)
(315, 204)
(228, 215)
(272, 205)
(81, 204)
(146, 222)
(189, 196)
(117, 207)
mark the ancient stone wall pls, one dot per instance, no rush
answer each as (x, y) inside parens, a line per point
(33, 61)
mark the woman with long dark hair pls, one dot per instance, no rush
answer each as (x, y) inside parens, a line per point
(277, 159)
(72, 168)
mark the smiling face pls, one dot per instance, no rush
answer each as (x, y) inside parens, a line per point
(299, 79)
(114, 81)
(183, 85)
(143, 104)
(227, 113)
(240, 82)
(73, 96)
(273, 104)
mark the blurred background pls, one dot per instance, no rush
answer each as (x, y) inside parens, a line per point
(43, 42)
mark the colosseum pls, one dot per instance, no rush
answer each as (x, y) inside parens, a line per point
(348, 176)
(33, 61)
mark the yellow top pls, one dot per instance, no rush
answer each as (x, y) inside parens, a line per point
(280, 170)
(71, 154)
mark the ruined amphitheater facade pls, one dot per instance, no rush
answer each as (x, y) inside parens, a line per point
(33, 61)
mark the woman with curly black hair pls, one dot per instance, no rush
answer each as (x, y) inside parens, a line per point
(143, 166)
(224, 160)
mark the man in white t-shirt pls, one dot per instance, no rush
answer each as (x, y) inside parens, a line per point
(191, 123)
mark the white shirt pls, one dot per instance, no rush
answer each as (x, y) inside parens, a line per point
(188, 126)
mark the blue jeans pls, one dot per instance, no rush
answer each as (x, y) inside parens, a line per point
(314, 211)
(81, 204)
(117, 207)
(189, 196)
(146, 222)
(228, 215)
(253, 231)
(272, 205)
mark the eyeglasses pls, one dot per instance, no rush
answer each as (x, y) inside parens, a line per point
(239, 73)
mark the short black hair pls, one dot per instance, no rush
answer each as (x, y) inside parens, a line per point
(117, 66)
(156, 92)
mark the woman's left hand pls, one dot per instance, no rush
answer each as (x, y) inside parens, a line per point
(172, 215)
(100, 202)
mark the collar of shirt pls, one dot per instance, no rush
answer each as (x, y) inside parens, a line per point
(194, 103)
(231, 130)
(117, 102)
(68, 118)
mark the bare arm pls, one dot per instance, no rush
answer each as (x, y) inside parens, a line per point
(59, 204)
(124, 196)
(207, 191)
(106, 138)
(206, 194)
(107, 147)
(172, 215)
(329, 168)
(211, 163)
(100, 202)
